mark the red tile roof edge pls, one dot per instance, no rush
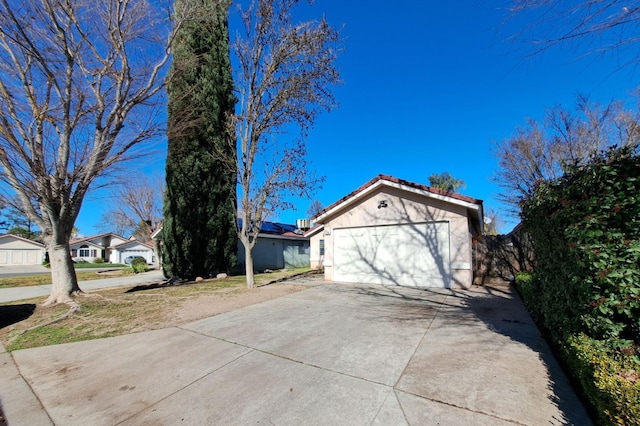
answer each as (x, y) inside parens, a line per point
(399, 181)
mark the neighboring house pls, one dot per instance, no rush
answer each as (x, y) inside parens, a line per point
(133, 248)
(15, 250)
(87, 249)
(279, 246)
(111, 248)
(391, 231)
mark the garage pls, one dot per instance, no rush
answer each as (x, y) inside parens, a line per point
(15, 250)
(413, 255)
(394, 232)
(135, 253)
(131, 249)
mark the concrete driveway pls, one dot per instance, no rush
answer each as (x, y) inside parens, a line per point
(335, 354)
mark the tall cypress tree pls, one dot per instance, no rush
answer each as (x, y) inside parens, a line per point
(199, 236)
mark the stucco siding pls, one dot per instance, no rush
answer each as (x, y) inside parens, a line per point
(387, 206)
(316, 258)
(11, 243)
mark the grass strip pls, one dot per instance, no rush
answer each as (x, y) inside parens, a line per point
(42, 279)
(116, 312)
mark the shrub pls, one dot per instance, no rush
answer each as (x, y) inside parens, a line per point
(139, 264)
(585, 231)
(524, 281)
(585, 228)
(609, 382)
(98, 260)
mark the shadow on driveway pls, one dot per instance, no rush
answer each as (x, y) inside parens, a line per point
(466, 322)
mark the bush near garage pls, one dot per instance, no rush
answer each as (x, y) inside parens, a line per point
(139, 264)
(585, 230)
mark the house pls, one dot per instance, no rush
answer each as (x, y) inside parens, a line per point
(316, 241)
(278, 246)
(88, 249)
(111, 248)
(133, 248)
(391, 231)
(16, 250)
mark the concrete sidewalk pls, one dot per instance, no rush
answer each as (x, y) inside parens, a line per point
(20, 293)
(335, 354)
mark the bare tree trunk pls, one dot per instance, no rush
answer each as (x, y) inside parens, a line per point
(248, 264)
(64, 282)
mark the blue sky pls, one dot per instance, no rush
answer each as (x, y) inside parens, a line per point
(428, 87)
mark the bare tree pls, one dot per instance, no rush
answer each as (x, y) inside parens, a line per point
(79, 89)
(137, 207)
(539, 150)
(601, 26)
(492, 222)
(284, 76)
(314, 208)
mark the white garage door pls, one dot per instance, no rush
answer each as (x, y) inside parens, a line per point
(20, 257)
(414, 255)
(128, 253)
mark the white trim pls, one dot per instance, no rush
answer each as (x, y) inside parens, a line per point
(88, 243)
(283, 237)
(313, 231)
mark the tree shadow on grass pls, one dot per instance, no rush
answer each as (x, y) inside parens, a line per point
(173, 282)
(11, 314)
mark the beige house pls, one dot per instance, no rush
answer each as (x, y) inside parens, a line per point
(15, 250)
(391, 231)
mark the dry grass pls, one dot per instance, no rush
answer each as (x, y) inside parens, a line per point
(119, 312)
(41, 279)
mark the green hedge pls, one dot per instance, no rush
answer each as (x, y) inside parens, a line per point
(585, 231)
(608, 381)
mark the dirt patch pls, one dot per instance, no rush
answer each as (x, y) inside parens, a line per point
(229, 300)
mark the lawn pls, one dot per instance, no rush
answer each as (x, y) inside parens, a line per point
(46, 279)
(98, 265)
(117, 311)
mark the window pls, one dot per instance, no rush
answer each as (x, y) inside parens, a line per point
(86, 252)
(301, 249)
(321, 247)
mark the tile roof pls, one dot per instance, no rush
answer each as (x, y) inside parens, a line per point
(392, 179)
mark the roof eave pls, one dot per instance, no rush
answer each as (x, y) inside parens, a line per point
(370, 187)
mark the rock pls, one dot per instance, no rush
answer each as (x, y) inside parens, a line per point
(222, 275)
(268, 271)
(199, 279)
